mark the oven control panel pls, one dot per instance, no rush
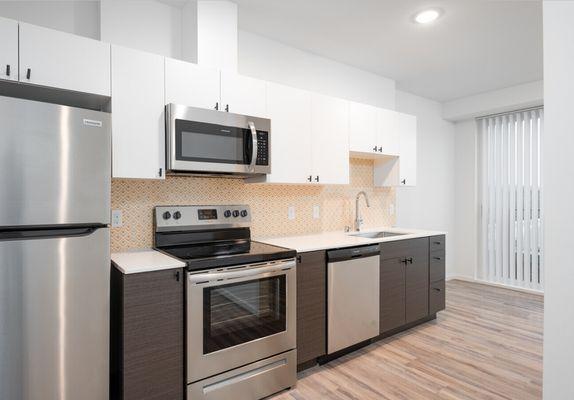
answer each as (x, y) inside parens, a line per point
(201, 217)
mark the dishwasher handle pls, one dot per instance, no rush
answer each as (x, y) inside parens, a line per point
(352, 253)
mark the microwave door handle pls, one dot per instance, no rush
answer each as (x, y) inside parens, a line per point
(254, 143)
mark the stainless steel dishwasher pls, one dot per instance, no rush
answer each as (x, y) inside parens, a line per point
(352, 296)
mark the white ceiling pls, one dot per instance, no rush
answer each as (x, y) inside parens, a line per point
(477, 46)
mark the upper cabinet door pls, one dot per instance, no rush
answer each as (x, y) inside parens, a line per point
(388, 132)
(330, 136)
(8, 49)
(363, 128)
(138, 122)
(243, 95)
(191, 85)
(62, 60)
(407, 128)
(290, 113)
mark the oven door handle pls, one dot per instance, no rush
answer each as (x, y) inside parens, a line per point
(254, 145)
(240, 273)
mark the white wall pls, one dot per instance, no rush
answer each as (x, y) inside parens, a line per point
(270, 60)
(558, 199)
(142, 24)
(77, 17)
(497, 101)
(430, 204)
(465, 200)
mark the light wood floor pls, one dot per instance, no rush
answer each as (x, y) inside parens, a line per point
(487, 344)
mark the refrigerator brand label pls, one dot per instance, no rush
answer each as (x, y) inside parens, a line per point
(93, 122)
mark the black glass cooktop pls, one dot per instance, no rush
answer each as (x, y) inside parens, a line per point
(227, 253)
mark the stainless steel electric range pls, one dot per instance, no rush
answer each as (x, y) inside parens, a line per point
(241, 302)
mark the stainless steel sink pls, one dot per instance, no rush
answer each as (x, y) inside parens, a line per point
(377, 235)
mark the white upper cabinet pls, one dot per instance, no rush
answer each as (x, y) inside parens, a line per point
(330, 139)
(243, 95)
(191, 85)
(372, 131)
(290, 113)
(400, 170)
(407, 128)
(362, 128)
(62, 60)
(138, 124)
(388, 140)
(8, 49)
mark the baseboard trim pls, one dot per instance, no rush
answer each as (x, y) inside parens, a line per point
(500, 285)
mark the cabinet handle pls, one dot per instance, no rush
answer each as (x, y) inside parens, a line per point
(437, 242)
(310, 178)
(437, 258)
(375, 148)
(317, 178)
(177, 276)
(436, 289)
(160, 172)
(8, 70)
(28, 73)
(410, 260)
(217, 105)
(380, 149)
(227, 108)
(299, 259)
(404, 181)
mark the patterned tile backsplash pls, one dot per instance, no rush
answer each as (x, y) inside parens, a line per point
(269, 204)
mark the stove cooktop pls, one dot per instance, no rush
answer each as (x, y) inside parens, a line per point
(248, 253)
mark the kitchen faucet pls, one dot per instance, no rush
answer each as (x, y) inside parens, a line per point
(358, 219)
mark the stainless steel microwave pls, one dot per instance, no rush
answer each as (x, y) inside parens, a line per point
(209, 142)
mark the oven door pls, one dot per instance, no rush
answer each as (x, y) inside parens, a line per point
(239, 315)
(214, 142)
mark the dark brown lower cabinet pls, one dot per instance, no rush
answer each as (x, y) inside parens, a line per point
(311, 306)
(147, 335)
(404, 282)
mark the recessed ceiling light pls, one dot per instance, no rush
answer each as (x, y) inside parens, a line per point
(427, 16)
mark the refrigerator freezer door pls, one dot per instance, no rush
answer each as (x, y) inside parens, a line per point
(55, 164)
(54, 317)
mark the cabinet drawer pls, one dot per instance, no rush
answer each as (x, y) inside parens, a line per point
(437, 266)
(403, 248)
(437, 243)
(437, 297)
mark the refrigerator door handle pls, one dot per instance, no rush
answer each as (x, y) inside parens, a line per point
(47, 233)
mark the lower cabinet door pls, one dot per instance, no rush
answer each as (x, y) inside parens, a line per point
(437, 298)
(392, 297)
(417, 284)
(311, 306)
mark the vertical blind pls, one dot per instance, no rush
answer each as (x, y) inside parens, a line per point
(510, 190)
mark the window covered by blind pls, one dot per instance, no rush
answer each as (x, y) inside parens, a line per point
(510, 190)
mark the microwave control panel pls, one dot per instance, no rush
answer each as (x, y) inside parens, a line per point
(262, 148)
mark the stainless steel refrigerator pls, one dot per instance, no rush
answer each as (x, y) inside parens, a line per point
(55, 168)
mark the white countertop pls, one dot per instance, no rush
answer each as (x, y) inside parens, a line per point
(144, 260)
(338, 239)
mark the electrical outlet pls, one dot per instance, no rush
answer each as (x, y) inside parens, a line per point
(291, 212)
(316, 212)
(391, 209)
(116, 218)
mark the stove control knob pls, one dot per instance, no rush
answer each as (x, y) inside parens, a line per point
(235, 213)
(176, 215)
(244, 213)
(227, 213)
(166, 215)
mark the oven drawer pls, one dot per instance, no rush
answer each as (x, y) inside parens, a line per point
(253, 381)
